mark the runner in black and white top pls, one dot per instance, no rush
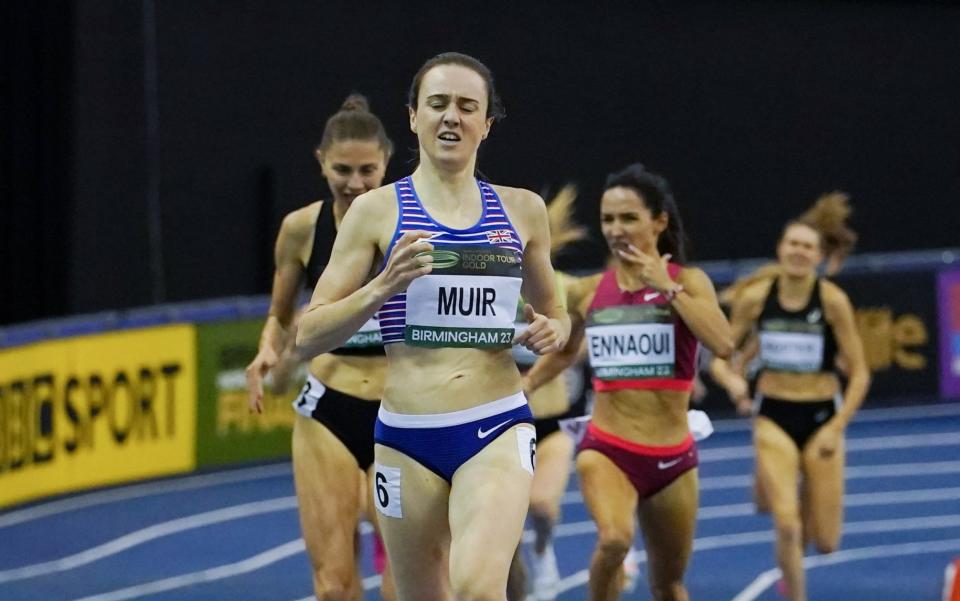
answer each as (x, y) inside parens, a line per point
(800, 321)
(455, 447)
(333, 431)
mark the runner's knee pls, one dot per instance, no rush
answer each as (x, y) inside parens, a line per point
(669, 591)
(826, 543)
(477, 587)
(334, 583)
(334, 594)
(613, 544)
(543, 508)
(789, 528)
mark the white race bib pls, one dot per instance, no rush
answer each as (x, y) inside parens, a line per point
(368, 335)
(469, 300)
(386, 490)
(791, 351)
(631, 342)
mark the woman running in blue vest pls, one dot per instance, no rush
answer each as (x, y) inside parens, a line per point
(455, 442)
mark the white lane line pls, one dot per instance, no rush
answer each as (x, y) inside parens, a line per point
(153, 532)
(251, 564)
(854, 445)
(900, 497)
(713, 512)
(143, 490)
(864, 416)
(742, 539)
(144, 535)
(856, 472)
(229, 570)
(766, 579)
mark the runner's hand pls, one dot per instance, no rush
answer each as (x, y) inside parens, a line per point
(739, 392)
(255, 372)
(404, 265)
(828, 439)
(542, 335)
(651, 270)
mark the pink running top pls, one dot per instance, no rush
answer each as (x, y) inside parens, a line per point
(635, 340)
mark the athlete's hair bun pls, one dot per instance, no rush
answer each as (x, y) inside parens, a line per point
(355, 102)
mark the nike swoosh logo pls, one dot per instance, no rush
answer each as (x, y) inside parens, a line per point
(650, 296)
(482, 434)
(666, 465)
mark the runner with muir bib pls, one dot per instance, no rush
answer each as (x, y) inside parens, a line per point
(455, 446)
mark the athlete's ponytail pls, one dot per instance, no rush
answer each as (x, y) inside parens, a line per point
(354, 121)
(654, 191)
(564, 229)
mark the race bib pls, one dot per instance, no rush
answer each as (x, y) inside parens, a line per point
(631, 342)
(791, 346)
(527, 447)
(386, 491)
(469, 300)
(367, 336)
(311, 393)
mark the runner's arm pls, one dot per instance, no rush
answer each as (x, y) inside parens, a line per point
(341, 303)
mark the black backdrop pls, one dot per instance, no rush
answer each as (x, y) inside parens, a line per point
(750, 108)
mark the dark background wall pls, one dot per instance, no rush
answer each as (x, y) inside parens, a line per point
(751, 109)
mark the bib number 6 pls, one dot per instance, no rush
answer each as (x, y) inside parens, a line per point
(386, 485)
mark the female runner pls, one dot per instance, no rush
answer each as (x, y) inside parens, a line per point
(642, 319)
(801, 322)
(455, 448)
(336, 410)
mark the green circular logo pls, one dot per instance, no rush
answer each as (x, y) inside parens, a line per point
(442, 259)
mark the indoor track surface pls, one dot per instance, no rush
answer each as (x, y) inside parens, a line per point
(234, 535)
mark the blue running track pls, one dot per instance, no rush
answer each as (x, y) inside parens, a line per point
(234, 535)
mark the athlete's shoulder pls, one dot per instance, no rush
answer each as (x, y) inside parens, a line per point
(581, 290)
(833, 295)
(754, 293)
(590, 282)
(689, 273)
(301, 222)
(375, 201)
(520, 198)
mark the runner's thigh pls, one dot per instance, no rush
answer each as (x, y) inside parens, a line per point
(488, 503)
(778, 467)
(411, 504)
(668, 520)
(609, 496)
(824, 495)
(328, 484)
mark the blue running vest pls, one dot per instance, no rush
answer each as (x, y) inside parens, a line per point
(469, 299)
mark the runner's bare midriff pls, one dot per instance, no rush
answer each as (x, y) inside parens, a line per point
(421, 380)
(647, 417)
(798, 387)
(358, 376)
